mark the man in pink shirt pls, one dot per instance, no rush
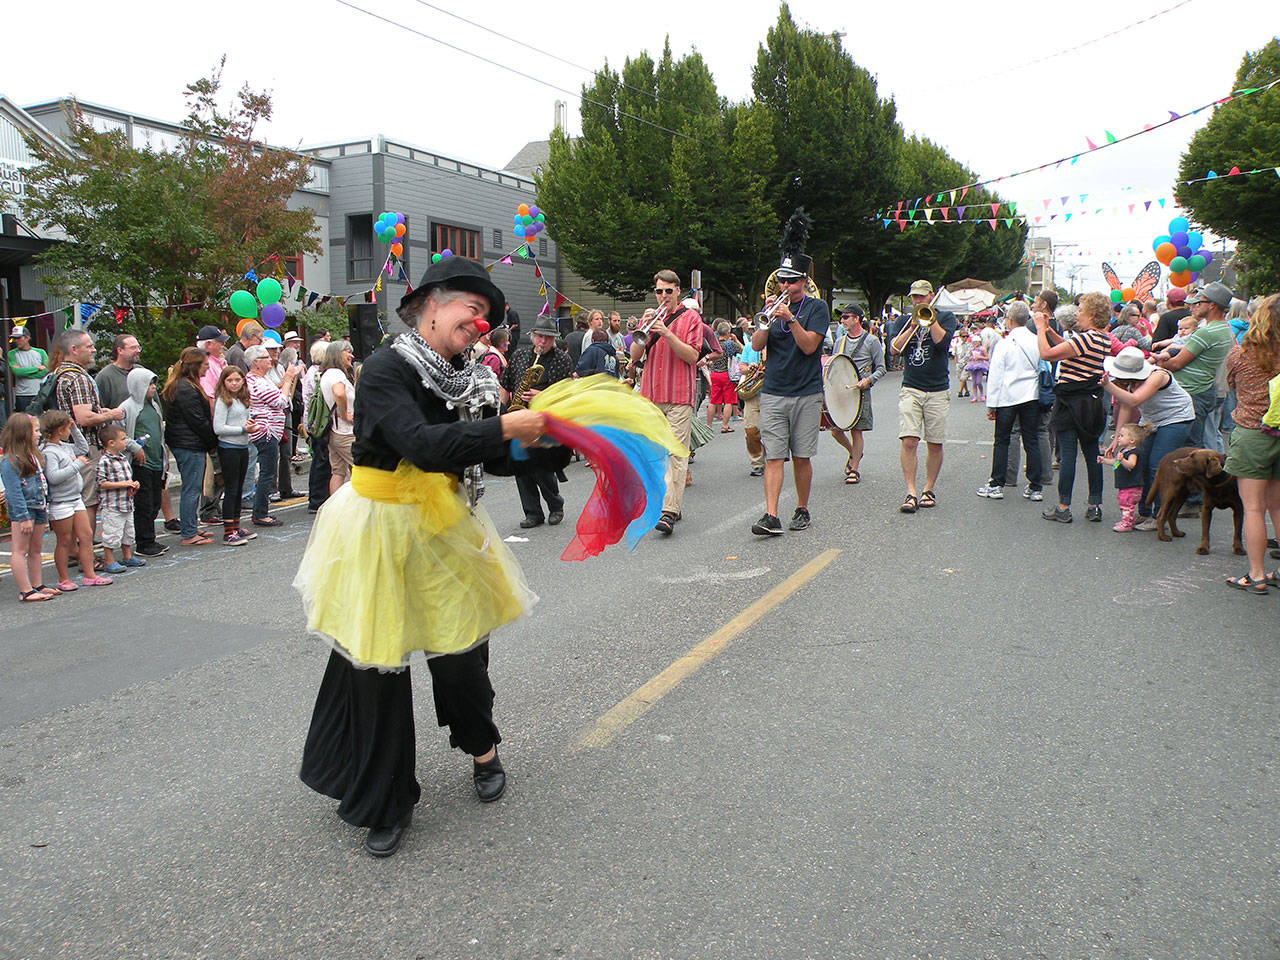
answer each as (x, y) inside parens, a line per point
(670, 371)
(210, 339)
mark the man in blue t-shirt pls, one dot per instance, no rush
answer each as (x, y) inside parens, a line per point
(791, 398)
(925, 395)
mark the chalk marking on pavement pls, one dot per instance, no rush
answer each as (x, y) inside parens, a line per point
(611, 723)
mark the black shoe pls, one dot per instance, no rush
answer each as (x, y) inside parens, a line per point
(1058, 514)
(151, 550)
(173, 526)
(666, 523)
(529, 523)
(555, 516)
(384, 841)
(766, 525)
(1093, 513)
(562, 476)
(757, 471)
(490, 779)
(799, 519)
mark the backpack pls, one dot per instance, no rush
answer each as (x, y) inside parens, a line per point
(44, 399)
(319, 414)
(1046, 383)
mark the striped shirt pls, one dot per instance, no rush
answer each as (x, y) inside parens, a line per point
(1085, 365)
(266, 408)
(667, 378)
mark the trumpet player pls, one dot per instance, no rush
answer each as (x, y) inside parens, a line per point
(792, 329)
(670, 355)
(923, 339)
(538, 485)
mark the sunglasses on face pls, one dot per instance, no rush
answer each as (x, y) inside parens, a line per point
(664, 289)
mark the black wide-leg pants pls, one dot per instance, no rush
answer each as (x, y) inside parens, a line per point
(360, 748)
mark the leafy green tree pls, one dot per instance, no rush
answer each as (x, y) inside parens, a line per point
(147, 227)
(838, 142)
(1244, 133)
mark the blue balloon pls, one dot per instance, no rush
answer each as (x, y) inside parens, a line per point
(1179, 225)
(1159, 241)
(518, 230)
(518, 220)
(1194, 240)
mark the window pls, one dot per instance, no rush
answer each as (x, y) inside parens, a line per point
(497, 239)
(542, 246)
(463, 242)
(360, 265)
(292, 266)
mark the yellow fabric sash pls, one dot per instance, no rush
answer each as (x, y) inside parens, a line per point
(436, 494)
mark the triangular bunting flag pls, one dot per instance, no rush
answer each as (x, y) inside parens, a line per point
(1233, 172)
(1009, 222)
(959, 213)
(1110, 137)
(1066, 218)
(1161, 202)
(944, 212)
(1046, 203)
(378, 286)
(1092, 145)
(992, 224)
(928, 214)
(902, 224)
(537, 271)
(560, 300)
(1146, 205)
(963, 192)
(505, 260)
(523, 253)
(995, 208)
(312, 297)
(546, 309)
(542, 290)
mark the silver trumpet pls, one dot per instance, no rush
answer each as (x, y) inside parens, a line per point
(766, 316)
(659, 314)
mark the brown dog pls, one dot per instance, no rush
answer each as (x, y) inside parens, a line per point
(1186, 469)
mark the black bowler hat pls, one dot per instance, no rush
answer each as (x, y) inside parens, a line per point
(459, 273)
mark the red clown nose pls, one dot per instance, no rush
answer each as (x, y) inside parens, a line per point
(482, 326)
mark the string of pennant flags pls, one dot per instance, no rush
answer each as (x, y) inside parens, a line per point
(926, 215)
(958, 193)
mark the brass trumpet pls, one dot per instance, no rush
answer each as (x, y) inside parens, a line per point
(924, 315)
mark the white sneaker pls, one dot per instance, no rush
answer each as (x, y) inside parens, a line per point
(1146, 524)
(1030, 494)
(990, 492)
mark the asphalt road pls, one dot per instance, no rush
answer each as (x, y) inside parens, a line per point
(972, 734)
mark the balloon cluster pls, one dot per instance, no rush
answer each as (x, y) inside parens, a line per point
(390, 228)
(244, 305)
(1182, 250)
(530, 221)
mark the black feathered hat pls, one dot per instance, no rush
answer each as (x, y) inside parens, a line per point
(795, 263)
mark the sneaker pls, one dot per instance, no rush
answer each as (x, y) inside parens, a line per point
(151, 550)
(116, 567)
(1146, 525)
(757, 472)
(766, 525)
(1060, 515)
(1093, 513)
(234, 539)
(1124, 527)
(247, 534)
(799, 519)
(990, 492)
(173, 526)
(276, 497)
(666, 523)
(96, 581)
(135, 562)
(267, 522)
(1033, 495)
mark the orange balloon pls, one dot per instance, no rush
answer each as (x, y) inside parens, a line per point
(397, 249)
(1128, 293)
(240, 325)
(1166, 252)
(523, 209)
(399, 229)
(1180, 279)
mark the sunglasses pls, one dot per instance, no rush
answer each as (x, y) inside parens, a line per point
(664, 289)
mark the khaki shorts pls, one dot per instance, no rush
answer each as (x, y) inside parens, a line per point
(923, 415)
(789, 425)
(89, 478)
(340, 462)
(1253, 455)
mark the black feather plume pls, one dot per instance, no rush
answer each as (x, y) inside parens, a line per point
(795, 234)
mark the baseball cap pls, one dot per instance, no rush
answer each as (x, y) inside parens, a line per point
(853, 309)
(271, 340)
(18, 332)
(1176, 295)
(922, 288)
(1215, 293)
(210, 332)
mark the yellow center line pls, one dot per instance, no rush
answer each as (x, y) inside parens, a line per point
(610, 724)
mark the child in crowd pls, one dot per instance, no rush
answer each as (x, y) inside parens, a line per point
(22, 473)
(1186, 327)
(117, 486)
(1128, 466)
(67, 513)
(232, 424)
(978, 365)
(960, 347)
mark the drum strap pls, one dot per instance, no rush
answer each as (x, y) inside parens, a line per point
(844, 337)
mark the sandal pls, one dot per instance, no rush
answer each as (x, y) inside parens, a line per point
(910, 504)
(726, 429)
(927, 499)
(199, 540)
(49, 592)
(1248, 584)
(1273, 579)
(33, 596)
(98, 565)
(853, 477)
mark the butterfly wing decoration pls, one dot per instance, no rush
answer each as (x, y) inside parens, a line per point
(1112, 280)
(1146, 280)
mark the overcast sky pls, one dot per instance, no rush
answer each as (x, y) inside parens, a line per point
(966, 76)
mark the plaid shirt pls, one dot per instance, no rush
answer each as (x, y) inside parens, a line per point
(112, 468)
(76, 386)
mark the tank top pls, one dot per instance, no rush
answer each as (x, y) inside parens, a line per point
(1169, 404)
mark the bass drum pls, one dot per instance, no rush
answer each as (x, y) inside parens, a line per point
(841, 398)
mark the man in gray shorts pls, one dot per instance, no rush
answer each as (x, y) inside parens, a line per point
(791, 398)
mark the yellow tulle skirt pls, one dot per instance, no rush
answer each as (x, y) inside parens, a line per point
(397, 562)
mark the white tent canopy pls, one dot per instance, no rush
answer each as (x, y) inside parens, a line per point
(951, 303)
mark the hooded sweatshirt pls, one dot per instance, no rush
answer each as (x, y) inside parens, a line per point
(62, 472)
(142, 416)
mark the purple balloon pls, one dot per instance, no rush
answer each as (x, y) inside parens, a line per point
(533, 211)
(1184, 251)
(272, 315)
(1207, 254)
(399, 218)
(1179, 239)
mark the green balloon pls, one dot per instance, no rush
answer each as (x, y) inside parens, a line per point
(1116, 296)
(1196, 263)
(1178, 264)
(243, 305)
(269, 291)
